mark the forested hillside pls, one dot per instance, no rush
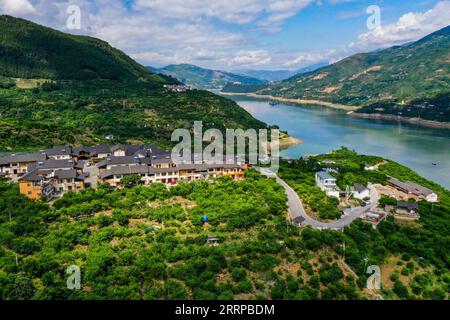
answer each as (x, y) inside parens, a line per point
(57, 88)
(29, 50)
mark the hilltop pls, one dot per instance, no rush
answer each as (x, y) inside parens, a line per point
(410, 80)
(29, 50)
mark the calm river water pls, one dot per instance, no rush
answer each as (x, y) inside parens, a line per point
(324, 129)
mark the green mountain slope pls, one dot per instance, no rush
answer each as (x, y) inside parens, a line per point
(204, 78)
(279, 75)
(412, 80)
(80, 89)
(28, 50)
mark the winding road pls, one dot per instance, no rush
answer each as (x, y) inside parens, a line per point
(300, 217)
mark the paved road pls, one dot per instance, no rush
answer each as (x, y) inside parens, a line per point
(298, 213)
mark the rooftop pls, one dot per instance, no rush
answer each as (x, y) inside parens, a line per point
(26, 157)
(325, 175)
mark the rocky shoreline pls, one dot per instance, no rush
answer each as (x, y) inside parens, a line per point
(391, 117)
(285, 142)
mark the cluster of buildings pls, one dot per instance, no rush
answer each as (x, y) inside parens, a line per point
(413, 190)
(326, 182)
(50, 173)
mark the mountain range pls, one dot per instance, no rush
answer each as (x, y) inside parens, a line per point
(412, 80)
(202, 78)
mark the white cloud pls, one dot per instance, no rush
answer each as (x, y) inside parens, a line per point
(305, 59)
(269, 13)
(16, 7)
(410, 26)
(217, 34)
(248, 59)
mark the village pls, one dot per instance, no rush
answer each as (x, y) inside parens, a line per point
(49, 173)
(374, 213)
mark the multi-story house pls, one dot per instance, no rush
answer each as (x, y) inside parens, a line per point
(15, 166)
(54, 171)
(326, 182)
(59, 153)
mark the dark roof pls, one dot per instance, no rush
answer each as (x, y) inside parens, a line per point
(77, 150)
(325, 175)
(155, 150)
(57, 151)
(34, 175)
(409, 206)
(419, 188)
(83, 176)
(101, 148)
(118, 161)
(65, 174)
(26, 157)
(411, 187)
(359, 187)
(55, 164)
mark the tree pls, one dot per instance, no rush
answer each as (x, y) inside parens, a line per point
(130, 181)
(400, 290)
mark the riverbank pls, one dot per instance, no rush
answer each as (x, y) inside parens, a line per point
(295, 101)
(285, 142)
(391, 117)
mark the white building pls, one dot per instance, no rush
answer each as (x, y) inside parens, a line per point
(360, 192)
(327, 183)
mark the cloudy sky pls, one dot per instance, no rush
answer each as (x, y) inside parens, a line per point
(241, 34)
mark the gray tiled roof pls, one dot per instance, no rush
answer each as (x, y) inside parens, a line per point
(65, 174)
(325, 175)
(359, 187)
(118, 161)
(59, 150)
(56, 164)
(34, 175)
(408, 206)
(26, 157)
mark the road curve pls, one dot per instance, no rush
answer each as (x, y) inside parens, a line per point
(301, 218)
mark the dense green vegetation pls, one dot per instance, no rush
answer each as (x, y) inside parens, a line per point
(411, 80)
(83, 112)
(28, 50)
(75, 90)
(201, 78)
(422, 246)
(150, 243)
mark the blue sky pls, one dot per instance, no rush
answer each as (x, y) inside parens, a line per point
(241, 34)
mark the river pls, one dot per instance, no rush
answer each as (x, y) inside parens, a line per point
(323, 129)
